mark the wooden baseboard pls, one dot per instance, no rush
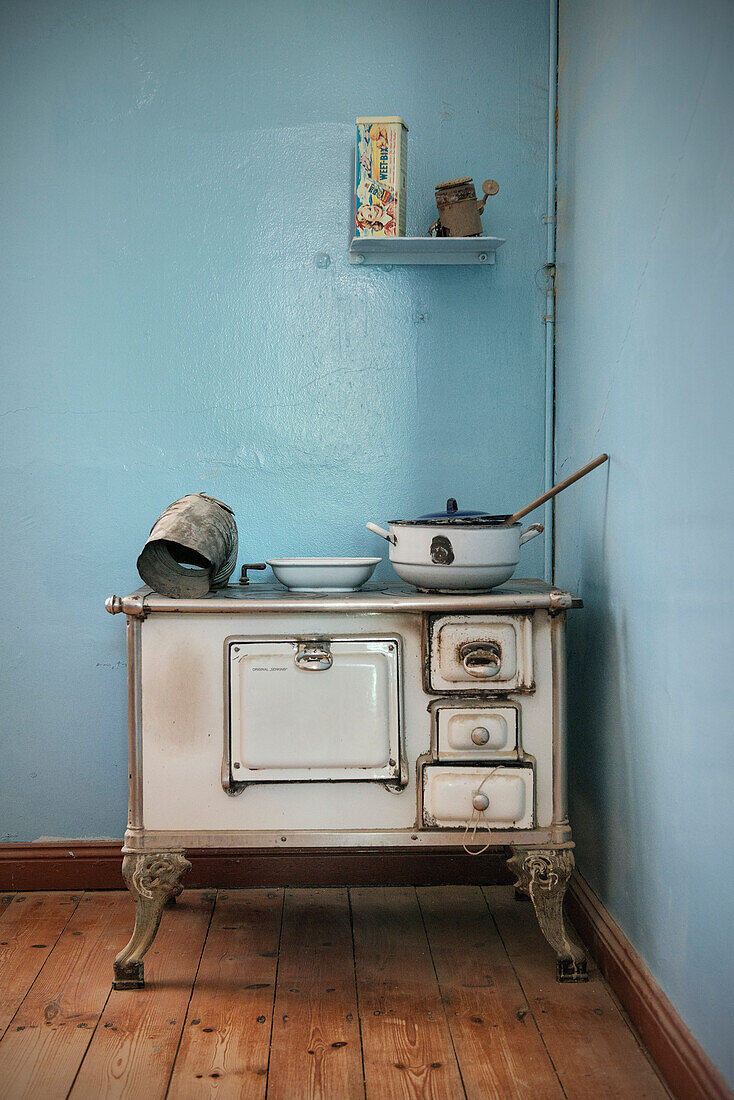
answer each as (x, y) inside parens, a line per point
(96, 865)
(686, 1067)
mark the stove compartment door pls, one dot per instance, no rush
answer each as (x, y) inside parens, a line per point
(325, 709)
(480, 731)
(487, 653)
(494, 798)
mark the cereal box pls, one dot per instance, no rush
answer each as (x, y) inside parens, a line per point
(380, 174)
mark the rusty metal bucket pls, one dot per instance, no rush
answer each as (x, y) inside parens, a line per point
(192, 548)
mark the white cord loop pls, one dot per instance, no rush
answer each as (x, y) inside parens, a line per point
(468, 839)
(473, 824)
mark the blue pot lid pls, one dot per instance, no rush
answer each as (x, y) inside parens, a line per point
(452, 512)
(452, 515)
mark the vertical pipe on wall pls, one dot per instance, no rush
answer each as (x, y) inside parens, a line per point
(550, 297)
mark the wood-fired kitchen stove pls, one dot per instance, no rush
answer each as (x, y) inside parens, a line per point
(264, 718)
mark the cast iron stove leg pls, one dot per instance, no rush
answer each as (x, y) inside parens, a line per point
(153, 879)
(543, 875)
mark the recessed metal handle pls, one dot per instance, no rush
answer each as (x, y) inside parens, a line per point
(313, 658)
(482, 660)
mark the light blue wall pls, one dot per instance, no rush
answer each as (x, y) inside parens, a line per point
(169, 172)
(645, 370)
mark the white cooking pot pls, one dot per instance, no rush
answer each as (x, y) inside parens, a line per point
(455, 551)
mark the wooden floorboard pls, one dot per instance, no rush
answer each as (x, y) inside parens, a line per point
(497, 1042)
(29, 928)
(315, 1050)
(595, 1052)
(46, 1041)
(136, 1040)
(226, 1039)
(5, 900)
(406, 1042)
(371, 993)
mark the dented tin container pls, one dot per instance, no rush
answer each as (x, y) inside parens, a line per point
(380, 174)
(191, 549)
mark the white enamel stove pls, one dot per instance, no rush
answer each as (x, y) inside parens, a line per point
(261, 718)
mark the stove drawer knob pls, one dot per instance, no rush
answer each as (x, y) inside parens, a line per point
(480, 801)
(480, 735)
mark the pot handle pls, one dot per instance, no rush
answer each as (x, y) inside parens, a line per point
(530, 532)
(382, 532)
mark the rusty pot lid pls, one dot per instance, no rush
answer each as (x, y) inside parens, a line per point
(453, 183)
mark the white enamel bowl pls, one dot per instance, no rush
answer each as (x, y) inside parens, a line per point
(323, 574)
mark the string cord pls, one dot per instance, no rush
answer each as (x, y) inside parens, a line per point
(473, 824)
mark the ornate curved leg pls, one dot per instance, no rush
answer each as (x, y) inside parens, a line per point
(543, 874)
(153, 879)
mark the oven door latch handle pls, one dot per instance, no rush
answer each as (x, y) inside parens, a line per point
(313, 657)
(482, 660)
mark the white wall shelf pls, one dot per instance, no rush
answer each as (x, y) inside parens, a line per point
(423, 250)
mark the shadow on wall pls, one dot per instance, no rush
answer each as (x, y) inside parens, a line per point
(600, 770)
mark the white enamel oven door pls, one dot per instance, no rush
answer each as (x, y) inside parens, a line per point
(318, 709)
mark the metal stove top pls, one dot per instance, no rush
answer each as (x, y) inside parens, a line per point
(397, 596)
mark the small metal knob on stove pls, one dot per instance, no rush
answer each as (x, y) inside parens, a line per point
(244, 579)
(480, 735)
(480, 801)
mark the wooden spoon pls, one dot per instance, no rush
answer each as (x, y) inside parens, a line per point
(555, 490)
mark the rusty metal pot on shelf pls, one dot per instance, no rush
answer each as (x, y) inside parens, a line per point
(459, 210)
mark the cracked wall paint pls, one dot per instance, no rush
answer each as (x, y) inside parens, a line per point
(174, 175)
(645, 255)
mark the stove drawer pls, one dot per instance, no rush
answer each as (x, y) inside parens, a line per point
(492, 653)
(313, 709)
(449, 795)
(476, 731)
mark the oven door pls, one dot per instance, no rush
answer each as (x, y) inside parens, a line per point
(313, 709)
